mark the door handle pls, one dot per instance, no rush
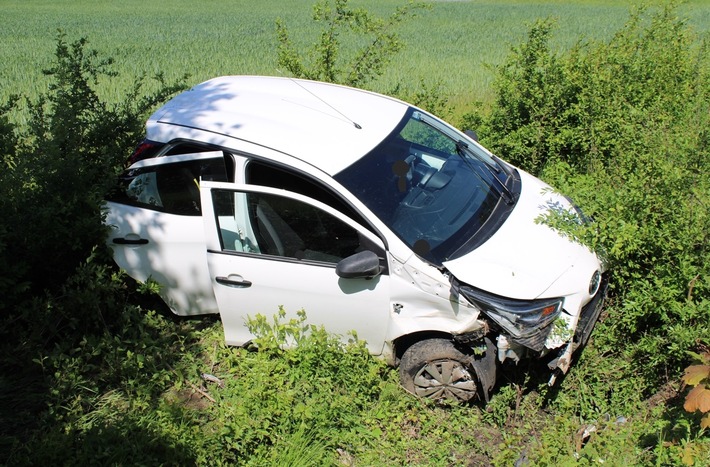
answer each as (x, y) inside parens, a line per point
(242, 284)
(130, 241)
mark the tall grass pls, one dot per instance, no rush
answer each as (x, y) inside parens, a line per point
(452, 46)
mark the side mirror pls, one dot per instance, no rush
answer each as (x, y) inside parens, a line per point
(471, 134)
(364, 264)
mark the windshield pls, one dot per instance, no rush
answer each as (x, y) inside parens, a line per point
(432, 188)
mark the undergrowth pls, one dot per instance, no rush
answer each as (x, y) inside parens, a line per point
(621, 128)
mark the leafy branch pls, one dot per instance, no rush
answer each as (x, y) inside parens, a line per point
(325, 63)
(698, 398)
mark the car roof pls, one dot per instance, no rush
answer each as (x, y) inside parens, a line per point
(326, 125)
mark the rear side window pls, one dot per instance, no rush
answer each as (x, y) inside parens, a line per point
(172, 188)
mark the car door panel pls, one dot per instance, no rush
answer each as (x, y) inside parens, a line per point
(166, 248)
(157, 232)
(295, 268)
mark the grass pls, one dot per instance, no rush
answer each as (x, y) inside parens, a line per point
(139, 398)
(452, 46)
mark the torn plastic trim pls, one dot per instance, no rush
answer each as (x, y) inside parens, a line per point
(561, 364)
(486, 369)
(588, 317)
(483, 360)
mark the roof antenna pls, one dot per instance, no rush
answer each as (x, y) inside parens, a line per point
(357, 125)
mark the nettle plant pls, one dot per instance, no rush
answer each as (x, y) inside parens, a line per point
(698, 398)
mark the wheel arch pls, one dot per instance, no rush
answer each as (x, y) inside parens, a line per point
(402, 343)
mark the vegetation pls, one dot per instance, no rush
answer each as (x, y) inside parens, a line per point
(454, 44)
(367, 63)
(621, 128)
(698, 376)
(94, 371)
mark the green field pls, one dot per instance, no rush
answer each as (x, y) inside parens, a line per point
(451, 45)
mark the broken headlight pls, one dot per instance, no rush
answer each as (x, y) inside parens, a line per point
(528, 322)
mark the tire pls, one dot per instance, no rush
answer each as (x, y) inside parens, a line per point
(435, 369)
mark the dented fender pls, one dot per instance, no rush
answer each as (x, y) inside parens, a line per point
(424, 300)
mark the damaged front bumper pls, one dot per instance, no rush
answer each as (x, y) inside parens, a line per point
(588, 317)
(537, 326)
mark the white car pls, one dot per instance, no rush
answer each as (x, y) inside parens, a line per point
(372, 215)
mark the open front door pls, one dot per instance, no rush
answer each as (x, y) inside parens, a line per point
(268, 248)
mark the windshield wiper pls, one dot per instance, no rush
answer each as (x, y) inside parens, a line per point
(463, 151)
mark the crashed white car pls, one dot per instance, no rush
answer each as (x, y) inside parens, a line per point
(372, 215)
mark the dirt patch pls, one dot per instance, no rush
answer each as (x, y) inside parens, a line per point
(669, 392)
(189, 398)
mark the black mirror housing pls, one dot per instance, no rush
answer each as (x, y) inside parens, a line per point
(360, 265)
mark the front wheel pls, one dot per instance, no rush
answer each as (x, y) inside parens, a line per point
(435, 369)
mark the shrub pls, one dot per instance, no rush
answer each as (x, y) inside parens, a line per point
(325, 60)
(622, 127)
(60, 167)
(58, 289)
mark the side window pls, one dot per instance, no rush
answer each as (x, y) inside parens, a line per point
(258, 173)
(171, 187)
(280, 226)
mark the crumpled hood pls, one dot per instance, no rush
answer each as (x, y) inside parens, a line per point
(523, 259)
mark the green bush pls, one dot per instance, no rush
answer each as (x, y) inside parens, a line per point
(622, 128)
(60, 167)
(58, 289)
(57, 171)
(328, 60)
